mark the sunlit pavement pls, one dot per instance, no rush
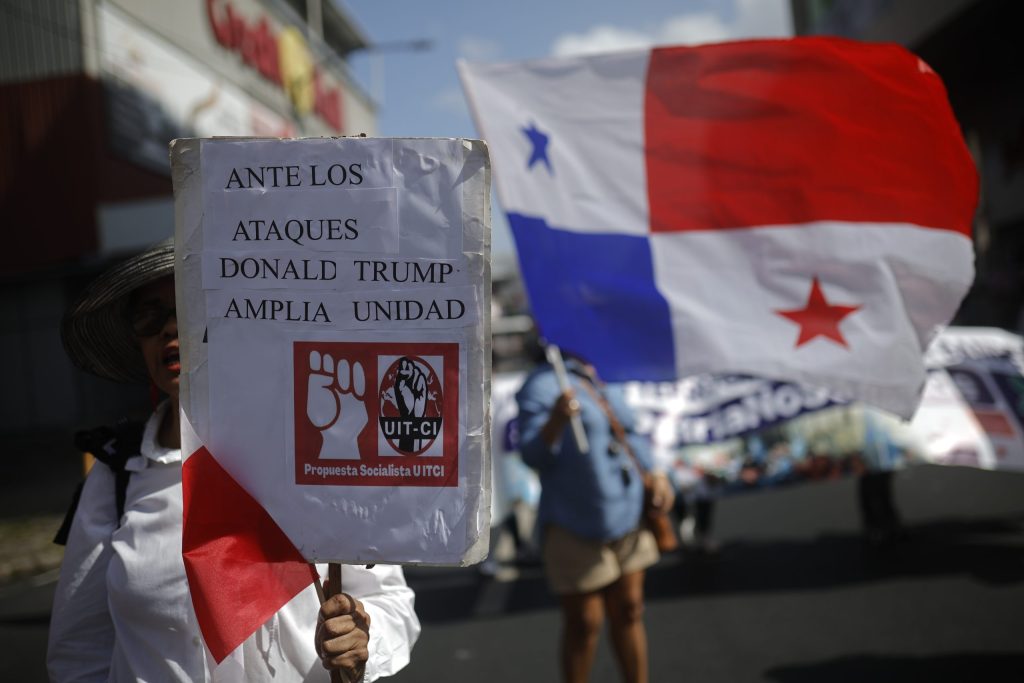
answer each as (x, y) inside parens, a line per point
(793, 596)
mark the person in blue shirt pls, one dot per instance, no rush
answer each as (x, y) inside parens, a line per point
(594, 548)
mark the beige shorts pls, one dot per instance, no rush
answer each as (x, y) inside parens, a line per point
(578, 565)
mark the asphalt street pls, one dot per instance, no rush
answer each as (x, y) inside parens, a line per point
(793, 596)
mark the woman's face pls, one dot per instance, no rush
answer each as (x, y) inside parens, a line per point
(155, 325)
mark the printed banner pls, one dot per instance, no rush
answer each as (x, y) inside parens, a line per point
(707, 409)
(333, 307)
(734, 431)
(741, 433)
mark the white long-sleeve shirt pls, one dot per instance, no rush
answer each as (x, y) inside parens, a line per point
(122, 610)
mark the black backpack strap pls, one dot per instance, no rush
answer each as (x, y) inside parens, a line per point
(65, 527)
(112, 446)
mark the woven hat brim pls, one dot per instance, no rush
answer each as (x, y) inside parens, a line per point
(95, 331)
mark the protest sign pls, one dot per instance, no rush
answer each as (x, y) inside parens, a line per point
(972, 411)
(333, 311)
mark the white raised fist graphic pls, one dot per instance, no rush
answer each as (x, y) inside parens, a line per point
(334, 404)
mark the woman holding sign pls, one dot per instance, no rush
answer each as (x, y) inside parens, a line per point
(595, 549)
(122, 609)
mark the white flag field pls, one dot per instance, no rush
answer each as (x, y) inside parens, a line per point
(799, 210)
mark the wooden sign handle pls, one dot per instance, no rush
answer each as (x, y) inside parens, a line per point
(334, 585)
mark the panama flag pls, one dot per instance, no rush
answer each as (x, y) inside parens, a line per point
(794, 209)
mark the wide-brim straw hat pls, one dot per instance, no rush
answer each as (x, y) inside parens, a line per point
(96, 332)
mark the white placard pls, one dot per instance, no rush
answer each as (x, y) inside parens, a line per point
(334, 323)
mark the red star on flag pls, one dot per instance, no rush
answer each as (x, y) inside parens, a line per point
(818, 318)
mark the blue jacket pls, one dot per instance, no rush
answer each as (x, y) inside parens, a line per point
(585, 493)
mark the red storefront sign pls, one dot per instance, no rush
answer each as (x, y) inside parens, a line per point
(257, 44)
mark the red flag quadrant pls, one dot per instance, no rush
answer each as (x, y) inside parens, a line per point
(761, 133)
(241, 567)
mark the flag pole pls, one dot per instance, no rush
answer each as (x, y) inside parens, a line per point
(554, 355)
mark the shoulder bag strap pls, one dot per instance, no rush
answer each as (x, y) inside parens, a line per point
(618, 431)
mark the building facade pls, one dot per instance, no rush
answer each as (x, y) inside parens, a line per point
(91, 93)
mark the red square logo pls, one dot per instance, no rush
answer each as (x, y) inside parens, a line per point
(376, 414)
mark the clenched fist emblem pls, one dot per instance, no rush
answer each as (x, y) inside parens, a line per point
(411, 405)
(411, 396)
(335, 404)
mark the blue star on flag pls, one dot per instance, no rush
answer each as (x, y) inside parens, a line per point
(540, 147)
